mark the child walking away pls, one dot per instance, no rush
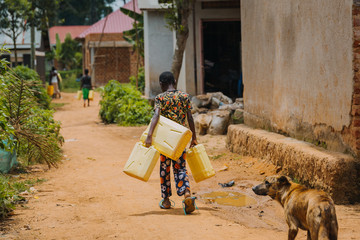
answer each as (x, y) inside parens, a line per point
(175, 105)
(85, 85)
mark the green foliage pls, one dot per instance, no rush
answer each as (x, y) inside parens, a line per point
(83, 12)
(122, 104)
(13, 19)
(176, 11)
(32, 129)
(57, 51)
(41, 140)
(135, 36)
(69, 48)
(141, 80)
(69, 83)
(68, 53)
(35, 84)
(10, 193)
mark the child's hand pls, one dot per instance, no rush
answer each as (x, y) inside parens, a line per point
(148, 141)
(193, 143)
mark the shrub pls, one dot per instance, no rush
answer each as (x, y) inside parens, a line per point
(141, 80)
(69, 83)
(32, 129)
(122, 104)
(35, 84)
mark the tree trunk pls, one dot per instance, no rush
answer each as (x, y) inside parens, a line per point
(15, 49)
(32, 62)
(181, 38)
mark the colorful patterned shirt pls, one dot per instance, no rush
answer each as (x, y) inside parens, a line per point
(173, 105)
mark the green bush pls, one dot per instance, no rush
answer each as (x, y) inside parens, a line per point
(69, 83)
(35, 84)
(122, 104)
(27, 126)
(141, 80)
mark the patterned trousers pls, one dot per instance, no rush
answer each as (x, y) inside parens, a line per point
(180, 175)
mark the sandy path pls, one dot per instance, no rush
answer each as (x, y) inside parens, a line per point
(88, 196)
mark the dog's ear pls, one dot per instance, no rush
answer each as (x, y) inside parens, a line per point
(283, 180)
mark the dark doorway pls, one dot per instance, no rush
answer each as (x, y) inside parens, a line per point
(222, 57)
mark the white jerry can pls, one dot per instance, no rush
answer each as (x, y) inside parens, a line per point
(141, 162)
(169, 137)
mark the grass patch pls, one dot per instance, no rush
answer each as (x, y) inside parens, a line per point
(56, 106)
(10, 190)
(218, 156)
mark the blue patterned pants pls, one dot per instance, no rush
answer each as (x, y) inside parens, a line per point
(180, 175)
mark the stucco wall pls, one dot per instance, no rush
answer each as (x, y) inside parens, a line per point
(158, 50)
(297, 64)
(160, 44)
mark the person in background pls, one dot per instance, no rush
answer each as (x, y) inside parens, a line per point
(85, 85)
(55, 81)
(175, 105)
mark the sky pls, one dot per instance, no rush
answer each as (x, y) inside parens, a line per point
(117, 4)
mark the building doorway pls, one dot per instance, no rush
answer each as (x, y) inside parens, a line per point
(221, 53)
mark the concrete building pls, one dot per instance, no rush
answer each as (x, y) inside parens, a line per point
(212, 60)
(298, 60)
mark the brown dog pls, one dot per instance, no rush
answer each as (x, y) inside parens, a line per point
(309, 209)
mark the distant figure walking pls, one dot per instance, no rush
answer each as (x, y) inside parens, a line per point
(85, 85)
(54, 80)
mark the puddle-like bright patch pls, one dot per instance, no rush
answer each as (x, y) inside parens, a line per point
(228, 198)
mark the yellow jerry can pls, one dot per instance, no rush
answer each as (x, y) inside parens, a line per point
(141, 162)
(78, 96)
(169, 138)
(199, 163)
(50, 90)
(91, 95)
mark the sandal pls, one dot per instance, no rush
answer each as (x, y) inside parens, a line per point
(189, 205)
(172, 204)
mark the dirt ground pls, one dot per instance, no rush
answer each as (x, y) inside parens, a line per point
(89, 197)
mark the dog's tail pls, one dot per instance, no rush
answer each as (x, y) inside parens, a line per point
(329, 228)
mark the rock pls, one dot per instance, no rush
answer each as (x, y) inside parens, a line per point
(215, 103)
(220, 96)
(219, 123)
(201, 101)
(202, 123)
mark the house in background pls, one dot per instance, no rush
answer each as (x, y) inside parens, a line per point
(63, 31)
(105, 52)
(74, 31)
(23, 46)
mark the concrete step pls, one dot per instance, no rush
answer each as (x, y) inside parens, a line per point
(335, 173)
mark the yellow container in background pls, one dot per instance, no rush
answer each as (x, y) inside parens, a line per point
(50, 90)
(141, 162)
(78, 96)
(91, 95)
(169, 138)
(199, 163)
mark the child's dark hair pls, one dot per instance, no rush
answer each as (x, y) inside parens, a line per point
(167, 78)
(86, 71)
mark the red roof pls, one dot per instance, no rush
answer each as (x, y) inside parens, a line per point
(117, 22)
(63, 31)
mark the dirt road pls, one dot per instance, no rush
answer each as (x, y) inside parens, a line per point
(89, 197)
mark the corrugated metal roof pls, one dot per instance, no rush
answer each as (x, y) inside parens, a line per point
(64, 30)
(23, 41)
(117, 22)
